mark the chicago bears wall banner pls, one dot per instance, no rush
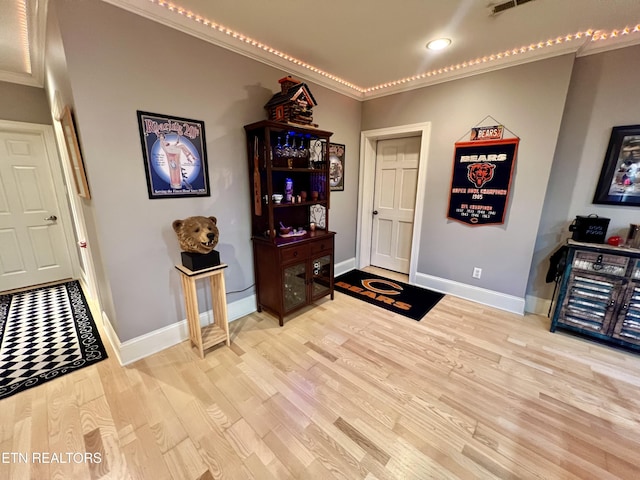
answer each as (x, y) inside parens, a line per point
(481, 181)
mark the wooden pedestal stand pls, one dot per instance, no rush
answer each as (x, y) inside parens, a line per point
(217, 332)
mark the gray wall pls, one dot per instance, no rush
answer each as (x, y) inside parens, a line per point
(604, 92)
(113, 65)
(21, 103)
(118, 63)
(59, 90)
(528, 100)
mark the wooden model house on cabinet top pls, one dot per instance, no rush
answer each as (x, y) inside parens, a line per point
(294, 103)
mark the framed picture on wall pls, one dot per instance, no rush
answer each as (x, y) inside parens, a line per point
(619, 182)
(75, 156)
(336, 166)
(175, 156)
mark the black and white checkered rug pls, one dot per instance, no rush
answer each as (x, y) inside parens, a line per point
(44, 334)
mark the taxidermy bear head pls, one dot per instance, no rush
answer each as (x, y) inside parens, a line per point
(197, 234)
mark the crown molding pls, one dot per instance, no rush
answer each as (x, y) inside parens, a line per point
(622, 41)
(37, 24)
(21, 78)
(152, 11)
(470, 71)
(37, 36)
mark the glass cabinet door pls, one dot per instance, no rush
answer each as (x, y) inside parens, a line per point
(295, 286)
(320, 276)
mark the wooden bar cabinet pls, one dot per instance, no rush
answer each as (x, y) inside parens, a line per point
(293, 248)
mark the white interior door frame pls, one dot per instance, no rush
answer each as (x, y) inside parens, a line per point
(86, 274)
(64, 213)
(366, 182)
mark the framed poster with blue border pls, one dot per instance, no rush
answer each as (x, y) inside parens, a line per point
(175, 156)
(481, 181)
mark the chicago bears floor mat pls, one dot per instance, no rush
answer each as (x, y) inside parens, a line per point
(408, 300)
(45, 333)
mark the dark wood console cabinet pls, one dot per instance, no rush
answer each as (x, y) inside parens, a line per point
(600, 294)
(293, 270)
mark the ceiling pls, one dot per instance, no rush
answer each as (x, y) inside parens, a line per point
(362, 48)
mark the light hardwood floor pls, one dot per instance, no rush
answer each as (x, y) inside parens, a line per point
(348, 391)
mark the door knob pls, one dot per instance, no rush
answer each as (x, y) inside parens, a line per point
(51, 218)
(375, 212)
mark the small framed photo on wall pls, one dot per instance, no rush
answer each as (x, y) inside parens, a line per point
(336, 166)
(619, 182)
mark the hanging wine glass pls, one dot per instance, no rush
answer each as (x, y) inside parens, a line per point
(278, 148)
(315, 153)
(309, 150)
(286, 150)
(302, 150)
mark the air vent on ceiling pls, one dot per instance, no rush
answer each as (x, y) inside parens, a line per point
(507, 5)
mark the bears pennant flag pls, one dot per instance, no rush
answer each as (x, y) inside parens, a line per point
(481, 181)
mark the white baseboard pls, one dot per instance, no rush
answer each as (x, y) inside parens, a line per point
(537, 305)
(344, 267)
(491, 298)
(240, 308)
(111, 336)
(152, 342)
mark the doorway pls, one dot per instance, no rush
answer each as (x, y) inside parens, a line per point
(35, 224)
(368, 189)
(394, 199)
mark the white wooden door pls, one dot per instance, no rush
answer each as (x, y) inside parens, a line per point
(33, 247)
(394, 202)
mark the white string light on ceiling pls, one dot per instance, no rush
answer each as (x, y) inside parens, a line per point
(595, 36)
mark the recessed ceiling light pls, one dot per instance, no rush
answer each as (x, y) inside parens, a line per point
(438, 44)
(594, 35)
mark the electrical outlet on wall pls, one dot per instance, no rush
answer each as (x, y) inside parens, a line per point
(477, 272)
